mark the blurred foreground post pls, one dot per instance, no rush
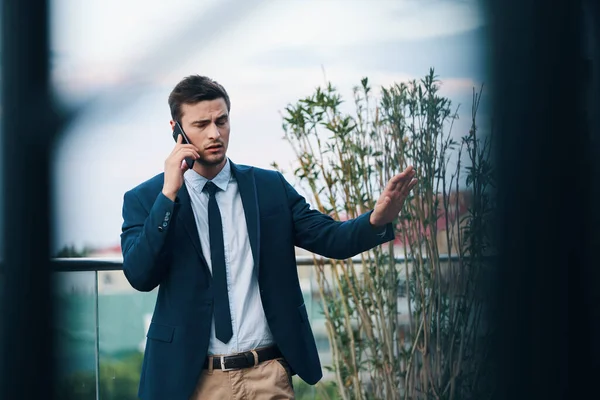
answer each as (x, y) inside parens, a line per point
(547, 171)
(28, 125)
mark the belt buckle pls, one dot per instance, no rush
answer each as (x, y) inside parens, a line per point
(223, 365)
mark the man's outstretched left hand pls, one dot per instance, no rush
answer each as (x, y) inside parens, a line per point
(392, 199)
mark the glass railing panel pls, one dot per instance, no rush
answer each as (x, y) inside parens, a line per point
(75, 334)
(124, 318)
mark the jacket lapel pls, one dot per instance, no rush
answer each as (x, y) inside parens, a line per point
(186, 217)
(247, 187)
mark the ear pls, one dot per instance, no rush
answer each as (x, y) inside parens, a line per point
(172, 123)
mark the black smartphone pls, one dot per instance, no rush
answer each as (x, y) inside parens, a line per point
(178, 130)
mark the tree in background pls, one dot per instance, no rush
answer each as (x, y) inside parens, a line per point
(72, 252)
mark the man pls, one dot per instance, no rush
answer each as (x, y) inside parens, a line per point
(218, 240)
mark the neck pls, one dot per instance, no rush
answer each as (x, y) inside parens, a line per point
(209, 171)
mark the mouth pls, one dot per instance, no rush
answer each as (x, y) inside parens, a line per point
(214, 147)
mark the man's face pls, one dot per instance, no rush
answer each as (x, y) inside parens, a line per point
(206, 124)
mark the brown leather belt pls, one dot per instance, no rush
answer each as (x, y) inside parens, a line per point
(244, 360)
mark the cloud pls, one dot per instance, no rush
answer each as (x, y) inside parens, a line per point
(320, 31)
(452, 86)
(111, 31)
(351, 22)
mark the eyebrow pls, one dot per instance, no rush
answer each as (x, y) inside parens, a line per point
(204, 121)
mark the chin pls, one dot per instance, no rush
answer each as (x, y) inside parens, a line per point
(212, 161)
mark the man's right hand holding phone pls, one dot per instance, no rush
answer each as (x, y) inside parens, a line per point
(175, 166)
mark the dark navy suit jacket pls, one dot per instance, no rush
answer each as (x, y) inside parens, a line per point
(161, 247)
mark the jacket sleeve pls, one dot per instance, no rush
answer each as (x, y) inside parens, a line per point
(321, 234)
(143, 236)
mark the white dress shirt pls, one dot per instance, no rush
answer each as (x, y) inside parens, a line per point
(249, 323)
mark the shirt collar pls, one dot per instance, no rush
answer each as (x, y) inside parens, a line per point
(197, 181)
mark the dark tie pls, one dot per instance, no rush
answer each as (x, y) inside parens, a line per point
(223, 328)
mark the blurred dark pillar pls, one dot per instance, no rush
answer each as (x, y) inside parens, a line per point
(584, 346)
(27, 127)
(547, 163)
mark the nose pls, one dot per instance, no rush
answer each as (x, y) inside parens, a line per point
(213, 131)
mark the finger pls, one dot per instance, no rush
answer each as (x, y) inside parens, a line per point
(188, 147)
(401, 186)
(395, 182)
(403, 191)
(410, 186)
(183, 166)
(179, 139)
(177, 145)
(405, 175)
(188, 152)
(406, 184)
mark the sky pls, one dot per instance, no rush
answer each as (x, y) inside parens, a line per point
(115, 62)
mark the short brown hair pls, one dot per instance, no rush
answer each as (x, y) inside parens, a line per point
(194, 89)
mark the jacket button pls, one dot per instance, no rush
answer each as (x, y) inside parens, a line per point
(160, 228)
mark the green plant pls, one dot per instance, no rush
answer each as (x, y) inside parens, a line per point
(118, 380)
(344, 161)
(322, 390)
(80, 385)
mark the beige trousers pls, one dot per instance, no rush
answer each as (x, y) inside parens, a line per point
(269, 380)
